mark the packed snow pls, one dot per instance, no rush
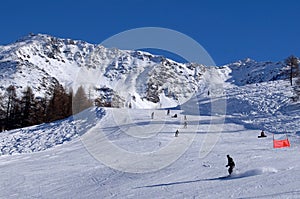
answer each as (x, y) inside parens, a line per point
(79, 161)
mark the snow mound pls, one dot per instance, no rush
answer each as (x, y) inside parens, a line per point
(45, 136)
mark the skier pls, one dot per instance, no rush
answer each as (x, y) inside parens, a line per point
(185, 124)
(176, 133)
(168, 112)
(152, 115)
(230, 164)
(174, 116)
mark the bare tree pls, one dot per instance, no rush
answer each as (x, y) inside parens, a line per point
(292, 62)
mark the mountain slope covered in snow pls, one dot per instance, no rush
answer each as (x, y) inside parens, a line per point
(40, 61)
(74, 158)
(71, 170)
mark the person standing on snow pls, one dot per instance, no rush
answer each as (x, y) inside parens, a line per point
(176, 133)
(230, 164)
(185, 124)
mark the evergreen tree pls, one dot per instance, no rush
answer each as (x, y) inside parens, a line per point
(11, 107)
(80, 101)
(58, 105)
(2, 113)
(40, 109)
(28, 108)
(70, 101)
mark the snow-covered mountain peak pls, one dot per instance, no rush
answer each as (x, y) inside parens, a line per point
(41, 61)
(249, 71)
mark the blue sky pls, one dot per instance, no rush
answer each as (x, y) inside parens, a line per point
(229, 30)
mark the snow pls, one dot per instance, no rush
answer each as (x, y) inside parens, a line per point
(120, 153)
(124, 153)
(40, 60)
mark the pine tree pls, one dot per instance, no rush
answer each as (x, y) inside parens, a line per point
(40, 109)
(70, 101)
(80, 101)
(11, 107)
(28, 108)
(58, 105)
(2, 113)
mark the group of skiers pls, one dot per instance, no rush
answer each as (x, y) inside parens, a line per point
(230, 164)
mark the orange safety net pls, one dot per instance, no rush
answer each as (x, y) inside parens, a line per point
(281, 143)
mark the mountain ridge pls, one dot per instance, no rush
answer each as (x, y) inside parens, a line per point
(41, 61)
(65, 60)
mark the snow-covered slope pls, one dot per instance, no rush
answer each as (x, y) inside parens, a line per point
(139, 79)
(71, 170)
(40, 61)
(249, 71)
(48, 135)
(73, 158)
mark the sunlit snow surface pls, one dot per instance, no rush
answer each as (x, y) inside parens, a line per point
(51, 161)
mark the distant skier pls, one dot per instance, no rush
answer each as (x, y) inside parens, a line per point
(152, 115)
(174, 116)
(176, 133)
(262, 134)
(230, 164)
(185, 117)
(185, 124)
(168, 112)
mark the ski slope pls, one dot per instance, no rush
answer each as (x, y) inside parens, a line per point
(86, 165)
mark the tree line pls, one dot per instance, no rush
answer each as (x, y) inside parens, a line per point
(28, 110)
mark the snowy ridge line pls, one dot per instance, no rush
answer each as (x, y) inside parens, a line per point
(38, 61)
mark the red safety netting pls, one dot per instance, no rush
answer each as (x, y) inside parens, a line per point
(280, 143)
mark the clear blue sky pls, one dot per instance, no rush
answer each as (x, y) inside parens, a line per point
(265, 30)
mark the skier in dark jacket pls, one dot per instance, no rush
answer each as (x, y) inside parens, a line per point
(230, 164)
(176, 133)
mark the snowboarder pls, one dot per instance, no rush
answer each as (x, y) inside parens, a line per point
(262, 134)
(176, 133)
(152, 115)
(230, 164)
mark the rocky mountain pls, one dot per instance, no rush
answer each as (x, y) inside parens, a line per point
(120, 78)
(136, 78)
